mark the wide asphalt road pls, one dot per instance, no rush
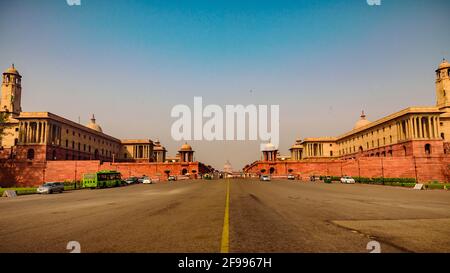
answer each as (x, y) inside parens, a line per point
(229, 216)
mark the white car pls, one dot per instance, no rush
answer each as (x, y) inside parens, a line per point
(347, 180)
(264, 178)
(147, 180)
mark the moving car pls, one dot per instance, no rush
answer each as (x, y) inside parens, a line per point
(172, 178)
(291, 177)
(347, 180)
(264, 178)
(132, 180)
(146, 180)
(51, 187)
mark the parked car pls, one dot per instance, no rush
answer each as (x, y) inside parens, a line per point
(347, 180)
(141, 179)
(327, 179)
(291, 177)
(51, 187)
(146, 180)
(172, 178)
(264, 178)
(132, 180)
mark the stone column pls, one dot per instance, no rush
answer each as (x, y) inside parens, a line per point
(420, 127)
(430, 133)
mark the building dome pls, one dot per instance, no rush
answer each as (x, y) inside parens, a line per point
(361, 122)
(298, 144)
(186, 147)
(227, 167)
(444, 64)
(157, 146)
(93, 125)
(269, 147)
(12, 70)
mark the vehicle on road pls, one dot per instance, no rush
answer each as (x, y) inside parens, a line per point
(51, 187)
(347, 180)
(291, 177)
(172, 178)
(102, 179)
(327, 180)
(147, 180)
(264, 178)
(132, 180)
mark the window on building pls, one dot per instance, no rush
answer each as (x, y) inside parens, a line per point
(84, 147)
(404, 150)
(30, 154)
(73, 144)
(428, 149)
(390, 139)
(331, 153)
(67, 143)
(442, 136)
(79, 146)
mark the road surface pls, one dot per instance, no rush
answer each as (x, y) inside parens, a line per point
(193, 216)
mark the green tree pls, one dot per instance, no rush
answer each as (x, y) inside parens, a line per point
(3, 123)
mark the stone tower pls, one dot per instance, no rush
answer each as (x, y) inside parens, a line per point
(11, 92)
(443, 86)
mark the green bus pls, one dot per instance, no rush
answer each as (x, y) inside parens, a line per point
(102, 179)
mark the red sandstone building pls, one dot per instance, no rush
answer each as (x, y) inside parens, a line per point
(32, 143)
(414, 142)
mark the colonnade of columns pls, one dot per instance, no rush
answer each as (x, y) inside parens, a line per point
(186, 156)
(314, 149)
(142, 151)
(296, 154)
(270, 155)
(418, 127)
(39, 132)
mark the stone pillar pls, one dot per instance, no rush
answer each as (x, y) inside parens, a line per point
(420, 127)
(430, 133)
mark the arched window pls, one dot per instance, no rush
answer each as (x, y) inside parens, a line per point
(272, 170)
(427, 148)
(184, 171)
(30, 154)
(54, 155)
(442, 136)
(331, 153)
(404, 150)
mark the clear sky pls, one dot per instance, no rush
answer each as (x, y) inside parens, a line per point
(130, 62)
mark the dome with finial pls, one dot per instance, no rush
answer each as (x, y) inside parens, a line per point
(157, 146)
(186, 147)
(12, 70)
(444, 64)
(298, 144)
(93, 125)
(361, 122)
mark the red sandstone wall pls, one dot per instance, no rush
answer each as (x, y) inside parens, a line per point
(425, 168)
(34, 173)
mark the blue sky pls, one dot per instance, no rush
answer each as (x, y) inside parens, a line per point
(130, 62)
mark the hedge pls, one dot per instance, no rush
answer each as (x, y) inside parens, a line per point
(19, 191)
